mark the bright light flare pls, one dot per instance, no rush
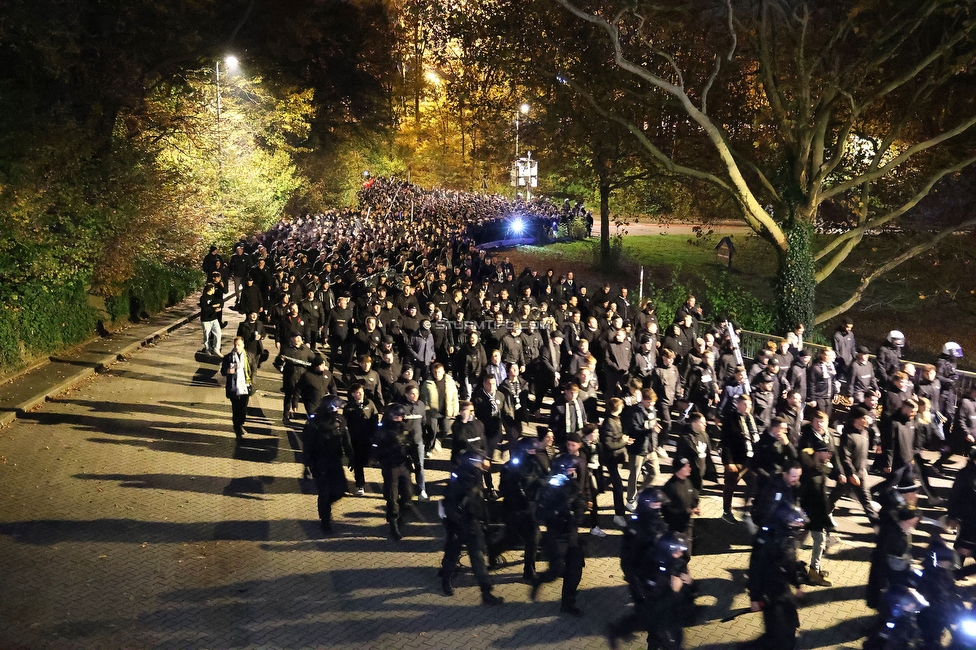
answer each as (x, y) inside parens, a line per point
(524, 108)
(517, 226)
(231, 62)
(968, 626)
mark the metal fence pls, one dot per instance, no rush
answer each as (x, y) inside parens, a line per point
(753, 342)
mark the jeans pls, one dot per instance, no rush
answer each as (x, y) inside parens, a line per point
(419, 460)
(211, 332)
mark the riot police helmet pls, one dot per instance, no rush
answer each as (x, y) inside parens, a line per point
(649, 500)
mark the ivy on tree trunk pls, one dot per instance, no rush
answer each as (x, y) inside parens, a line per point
(795, 286)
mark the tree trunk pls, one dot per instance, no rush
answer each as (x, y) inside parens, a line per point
(795, 286)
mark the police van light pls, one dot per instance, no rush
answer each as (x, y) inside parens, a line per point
(968, 626)
(517, 226)
(516, 461)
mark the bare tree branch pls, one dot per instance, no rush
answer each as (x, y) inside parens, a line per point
(874, 275)
(877, 222)
(753, 212)
(895, 162)
(718, 60)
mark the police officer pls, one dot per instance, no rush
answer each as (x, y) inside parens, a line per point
(774, 571)
(962, 508)
(393, 449)
(324, 439)
(562, 504)
(465, 518)
(666, 595)
(891, 557)
(522, 476)
(644, 527)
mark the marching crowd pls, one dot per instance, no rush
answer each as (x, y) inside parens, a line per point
(436, 344)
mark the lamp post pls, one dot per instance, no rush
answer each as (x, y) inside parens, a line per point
(524, 110)
(231, 63)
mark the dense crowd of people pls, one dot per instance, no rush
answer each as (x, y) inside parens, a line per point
(435, 345)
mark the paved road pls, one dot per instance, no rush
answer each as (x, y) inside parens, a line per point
(130, 519)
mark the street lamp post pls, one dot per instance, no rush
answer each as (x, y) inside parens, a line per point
(231, 63)
(524, 110)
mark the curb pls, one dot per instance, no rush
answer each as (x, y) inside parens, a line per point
(101, 365)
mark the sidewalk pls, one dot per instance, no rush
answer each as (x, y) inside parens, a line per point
(26, 391)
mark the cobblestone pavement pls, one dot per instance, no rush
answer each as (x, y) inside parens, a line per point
(131, 520)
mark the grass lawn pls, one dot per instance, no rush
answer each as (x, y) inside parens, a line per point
(931, 298)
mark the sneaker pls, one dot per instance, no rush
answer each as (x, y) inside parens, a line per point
(620, 521)
(437, 444)
(831, 542)
(423, 496)
(489, 599)
(631, 505)
(662, 452)
(729, 517)
(832, 522)
(596, 531)
(360, 492)
(936, 502)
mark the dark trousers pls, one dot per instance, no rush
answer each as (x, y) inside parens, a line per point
(523, 524)
(360, 460)
(781, 621)
(238, 409)
(732, 479)
(566, 560)
(325, 507)
(860, 492)
(617, 486)
(664, 417)
(290, 401)
(470, 535)
(440, 427)
(396, 489)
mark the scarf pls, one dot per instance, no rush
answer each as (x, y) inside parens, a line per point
(242, 378)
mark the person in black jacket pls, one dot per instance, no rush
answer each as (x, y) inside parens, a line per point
(393, 449)
(211, 306)
(415, 423)
(549, 367)
(251, 329)
(615, 455)
(844, 346)
(238, 265)
(292, 361)
(487, 403)
(522, 477)
(464, 524)
(681, 499)
(740, 435)
(315, 384)
(695, 444)
(562, 509)
(860, 376)
(855, 441)
(888, 358)
(774, 571)
(666, 382)
(962, 508)
(338, 327)
(324, 440)
(240, 368)
(362, 418)
(773, 453)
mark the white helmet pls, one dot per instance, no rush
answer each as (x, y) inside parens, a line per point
(896, 337)
(952, 349)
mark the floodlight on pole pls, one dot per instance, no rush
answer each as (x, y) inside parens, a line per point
(524, 110)
(230, 62)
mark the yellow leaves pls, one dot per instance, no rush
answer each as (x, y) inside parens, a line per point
(921, 296)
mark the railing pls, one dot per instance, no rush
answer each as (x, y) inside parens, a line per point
(753, 342)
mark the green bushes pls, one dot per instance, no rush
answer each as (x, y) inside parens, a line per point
(154, 287)
(40, 318)
(723, 297)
